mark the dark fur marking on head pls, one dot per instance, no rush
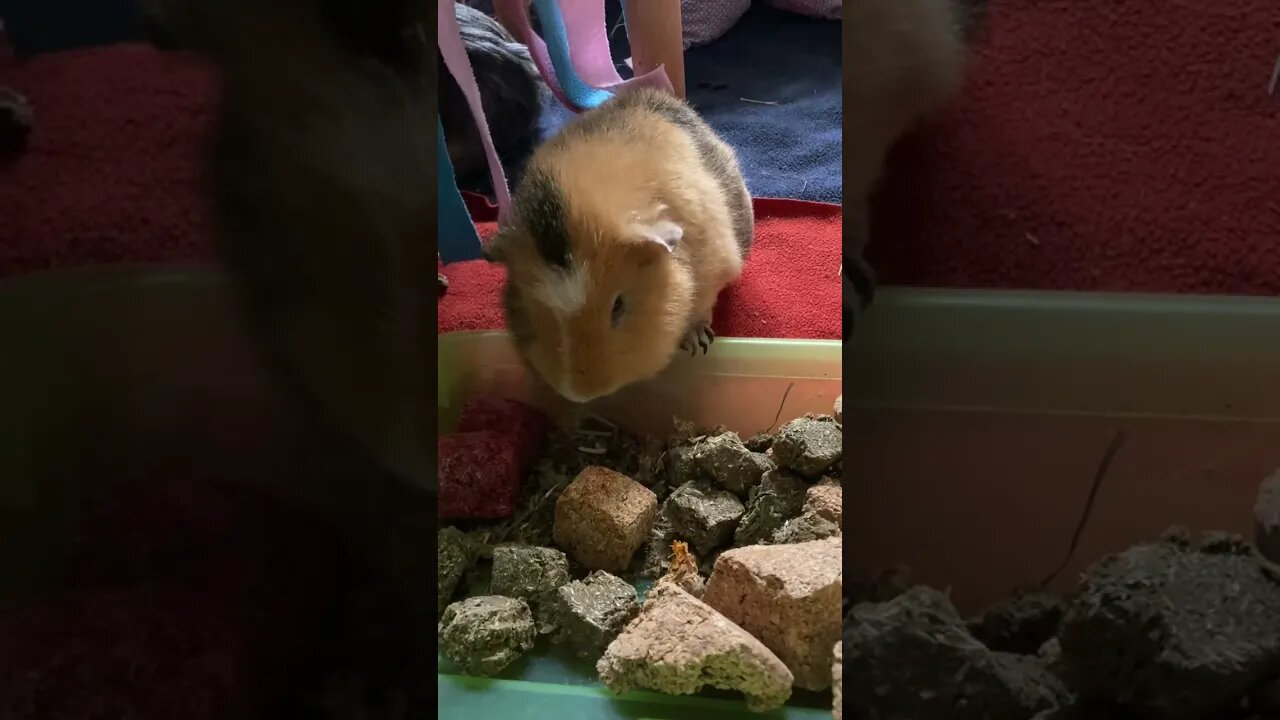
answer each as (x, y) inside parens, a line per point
(676, 112)
(544, 213)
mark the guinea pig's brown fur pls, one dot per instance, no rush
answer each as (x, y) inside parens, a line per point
(903, 60)
(624, 229)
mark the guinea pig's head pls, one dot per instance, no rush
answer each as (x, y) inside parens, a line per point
(595, 300)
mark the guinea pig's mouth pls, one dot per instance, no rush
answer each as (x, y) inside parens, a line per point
(574, 397)
(581, 390)
(577, 395)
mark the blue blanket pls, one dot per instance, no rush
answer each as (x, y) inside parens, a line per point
(771, 87)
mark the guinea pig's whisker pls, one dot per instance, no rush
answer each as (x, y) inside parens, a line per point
(597, 433)
(603, 421)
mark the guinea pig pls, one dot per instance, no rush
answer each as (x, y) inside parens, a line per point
(511, 92)
(623, 230)
(904, 59)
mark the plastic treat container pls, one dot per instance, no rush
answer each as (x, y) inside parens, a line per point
(741, 383)
(976, 422)
(747, 385)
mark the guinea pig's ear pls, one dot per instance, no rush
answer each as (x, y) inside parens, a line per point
(662, 232)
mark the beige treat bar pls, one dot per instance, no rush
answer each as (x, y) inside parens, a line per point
(788, 596)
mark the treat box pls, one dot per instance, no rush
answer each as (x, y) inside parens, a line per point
(976, 423)
(748, 385)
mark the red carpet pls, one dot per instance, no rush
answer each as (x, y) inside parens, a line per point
(1126, 146)
(112, 169)
(789, 288)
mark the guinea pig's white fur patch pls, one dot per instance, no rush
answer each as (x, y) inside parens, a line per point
(564, 291)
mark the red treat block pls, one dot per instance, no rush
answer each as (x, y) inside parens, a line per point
(479, 475)
(523, 423)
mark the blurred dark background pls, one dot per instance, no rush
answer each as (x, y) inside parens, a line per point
(40, 26)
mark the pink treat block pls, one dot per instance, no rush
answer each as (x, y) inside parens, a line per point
(524, 424)
(479, 475)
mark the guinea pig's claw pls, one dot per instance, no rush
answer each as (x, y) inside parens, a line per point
(699, 337)
(857, 292)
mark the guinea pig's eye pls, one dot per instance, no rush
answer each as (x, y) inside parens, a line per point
(619, 307)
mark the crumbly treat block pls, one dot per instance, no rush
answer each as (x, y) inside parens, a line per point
(703, 514)
(788, 596)
(678, 645)
(532, 573)
(1022, 623)
(809, 446)
(825, 500)
(591, 612)
(913, 657)
(779, 497)
(453, 557)
(603, 517)
(485, 634)
(731, 464)
(809, 526)
(1216, 605)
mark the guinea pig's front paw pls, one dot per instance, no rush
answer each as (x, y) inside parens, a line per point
(857, 290)
(698, 336)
